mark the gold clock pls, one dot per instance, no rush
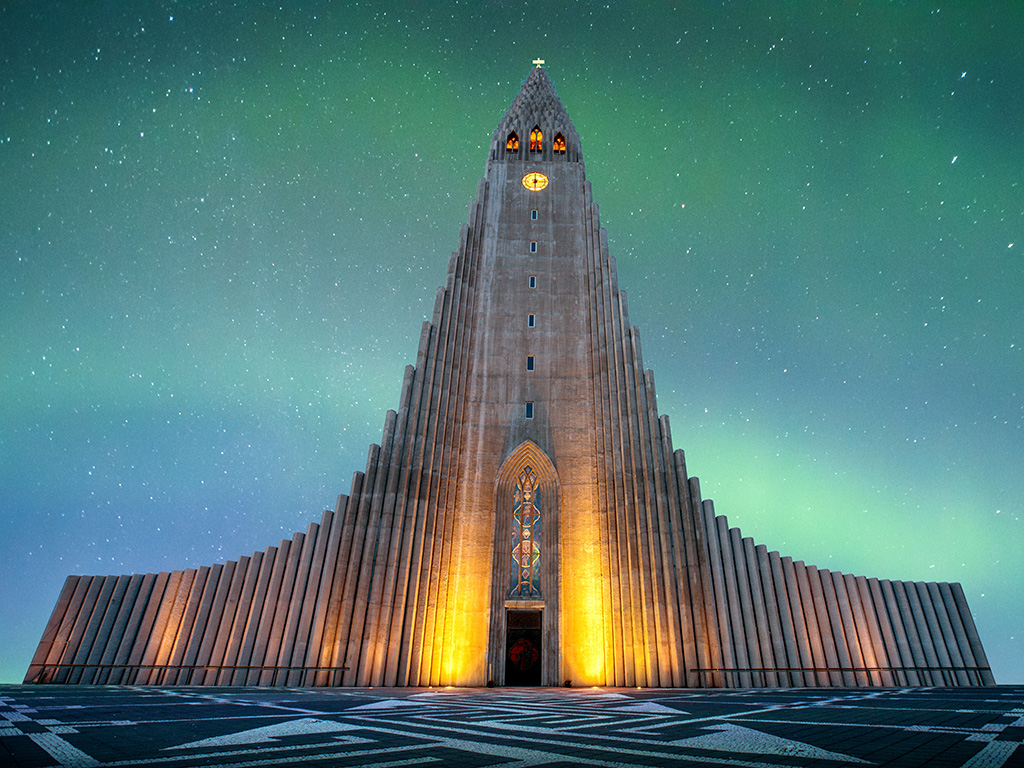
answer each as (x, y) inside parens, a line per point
(535, 181)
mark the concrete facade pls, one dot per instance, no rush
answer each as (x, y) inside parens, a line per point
(529, 368)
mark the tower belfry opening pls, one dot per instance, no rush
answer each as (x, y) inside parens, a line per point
(519, 524)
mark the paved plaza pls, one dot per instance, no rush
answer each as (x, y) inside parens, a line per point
(127, 726)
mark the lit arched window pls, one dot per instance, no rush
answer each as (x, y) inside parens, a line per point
(559, 145)
(512, 143)
(536, 139)
(525, 575)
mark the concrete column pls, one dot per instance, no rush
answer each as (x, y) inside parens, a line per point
(930, 661)
(151, 630)
(892, 647)
(789, 658)
(189, 675)
(935, 630)
(695, 566)
(804, 658)
(835, 620)
(688, 624)
(735, 625)
(776, 654)
(37, 671)
(818, 631)
(242, 617)
(971, 632)
(721, 601)
(311, 598)
(130, 634)
(670, 645)
(747, 628)
(208, 638)
(949, 637)
(297, 599)
(115, 631)
(270, 675)
(265, 626)
(87, 635)
(218, 633)
(906, 612)
(869, 648)
(850, 629)
(255, 618)
(104, 629)
(606, 484)
(756, 559)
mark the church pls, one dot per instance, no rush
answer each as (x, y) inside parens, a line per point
(524, 520)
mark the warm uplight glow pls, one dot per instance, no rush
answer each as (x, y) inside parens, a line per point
(463, 641)
(584, 611)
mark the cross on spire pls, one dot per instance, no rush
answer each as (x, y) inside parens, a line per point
(538, 62)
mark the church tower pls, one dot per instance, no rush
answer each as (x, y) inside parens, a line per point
(566, 498)
(524, 519)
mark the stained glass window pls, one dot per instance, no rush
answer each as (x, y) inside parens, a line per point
(536, 139)
(512, 143)
(525, 577)
(559, 145)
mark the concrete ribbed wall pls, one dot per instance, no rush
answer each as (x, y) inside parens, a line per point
(784, 623)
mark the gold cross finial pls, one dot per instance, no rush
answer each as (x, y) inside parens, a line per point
(538, 62)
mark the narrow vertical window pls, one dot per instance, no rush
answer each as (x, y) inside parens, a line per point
(531, 320)
(512, 143)
(559, 144)
(533, 246)
(530, 365)
(533, 214)
(533, 281)
(526, 521)
(529, 410)
(536, 139)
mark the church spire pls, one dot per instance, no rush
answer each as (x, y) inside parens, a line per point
(536, 125)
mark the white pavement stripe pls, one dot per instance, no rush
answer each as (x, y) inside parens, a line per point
(69, 756)
(951, 729)
(529, 757)
(302, 759)
(731, 738)
(993, 755)
(269, 733)
(279, 759)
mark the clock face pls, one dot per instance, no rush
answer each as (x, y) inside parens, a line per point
(535, 181)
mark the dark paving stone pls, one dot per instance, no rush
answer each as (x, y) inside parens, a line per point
(170, 727)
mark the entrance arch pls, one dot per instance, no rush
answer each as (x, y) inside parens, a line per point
(524, 610)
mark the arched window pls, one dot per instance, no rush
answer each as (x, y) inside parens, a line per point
(536, 139)
(512, 143)
(525, 571)
(559, 145)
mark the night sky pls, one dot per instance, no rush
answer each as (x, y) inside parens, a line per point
(222, 225)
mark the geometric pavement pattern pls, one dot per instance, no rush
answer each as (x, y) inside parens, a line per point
(168, 727)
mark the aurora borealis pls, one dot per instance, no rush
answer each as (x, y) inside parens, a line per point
(223, 225)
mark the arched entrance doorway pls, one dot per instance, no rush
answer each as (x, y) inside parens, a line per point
(524, 628)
